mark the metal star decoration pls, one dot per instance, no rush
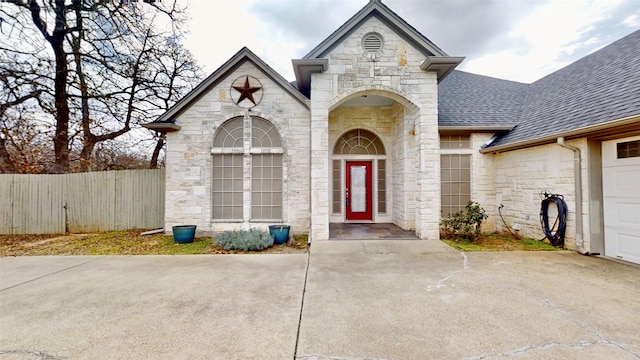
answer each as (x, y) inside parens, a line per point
(246, 91)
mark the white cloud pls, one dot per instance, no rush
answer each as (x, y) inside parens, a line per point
(522, 40)
(632, 21)
(546, 40)
(220, 29)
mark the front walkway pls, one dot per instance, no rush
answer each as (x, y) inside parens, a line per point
(373, 231)
(345, 300)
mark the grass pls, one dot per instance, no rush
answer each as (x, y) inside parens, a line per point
(497, 242)
(123, 243)
(132, 243)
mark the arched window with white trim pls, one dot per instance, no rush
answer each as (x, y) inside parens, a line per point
(357, 143)
(247, 160)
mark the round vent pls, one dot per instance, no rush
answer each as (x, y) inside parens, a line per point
(372, 43)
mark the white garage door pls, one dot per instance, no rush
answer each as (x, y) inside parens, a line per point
(621, 192)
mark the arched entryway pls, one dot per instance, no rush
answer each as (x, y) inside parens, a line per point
(359, 177)
(396, 121)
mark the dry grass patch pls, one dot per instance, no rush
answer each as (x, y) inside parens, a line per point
(497, 242)
(128, 242)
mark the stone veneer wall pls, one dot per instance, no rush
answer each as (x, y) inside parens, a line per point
(521, 175)
(188, 173)
(395, 73)
(403, 170)
(376, 119)
(483, 189)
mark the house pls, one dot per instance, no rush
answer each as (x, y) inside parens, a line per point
(379, 127)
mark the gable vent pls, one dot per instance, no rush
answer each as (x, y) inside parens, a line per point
(372, 43)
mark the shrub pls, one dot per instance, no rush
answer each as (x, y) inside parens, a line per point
(467, 222)
(246, 240)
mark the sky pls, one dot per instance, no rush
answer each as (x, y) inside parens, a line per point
(519, 40)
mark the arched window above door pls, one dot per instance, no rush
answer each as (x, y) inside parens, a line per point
(359, 142)
(363, 145)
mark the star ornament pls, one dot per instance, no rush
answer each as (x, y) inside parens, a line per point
(247, 90)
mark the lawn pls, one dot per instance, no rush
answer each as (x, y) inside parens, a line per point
(123, 243)
(497, 242)
(132, 243)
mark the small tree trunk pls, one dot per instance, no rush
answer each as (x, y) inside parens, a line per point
(6, 163)
(85, 155)
(156, 152)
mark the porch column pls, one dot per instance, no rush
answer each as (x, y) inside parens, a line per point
(404, 170)
(428, 169)
(321, 95)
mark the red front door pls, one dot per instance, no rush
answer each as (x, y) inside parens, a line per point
(358, 193)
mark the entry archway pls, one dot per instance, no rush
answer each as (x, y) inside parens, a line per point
(359, 176)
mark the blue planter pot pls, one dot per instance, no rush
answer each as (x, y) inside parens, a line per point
(280, 233)
(183, 234)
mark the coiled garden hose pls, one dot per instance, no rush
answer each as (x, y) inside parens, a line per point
(554, 233)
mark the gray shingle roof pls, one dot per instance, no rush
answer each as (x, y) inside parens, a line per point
(599, 88)
(471, 100)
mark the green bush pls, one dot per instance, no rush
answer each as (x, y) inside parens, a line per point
(247, 240)
(467, 223)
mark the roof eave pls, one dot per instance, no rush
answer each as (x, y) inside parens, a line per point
(442, 66)
(163, 126)
(303, 68)
(628, 126)
(476, 129)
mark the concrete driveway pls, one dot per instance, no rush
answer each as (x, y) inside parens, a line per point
(347, 300)
(151, 307)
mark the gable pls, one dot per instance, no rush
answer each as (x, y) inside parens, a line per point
(243, 57)
(376, 9)
(431, 58)
(389, 49)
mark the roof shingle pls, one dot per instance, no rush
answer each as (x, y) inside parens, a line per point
(599, 88)
(466, 99)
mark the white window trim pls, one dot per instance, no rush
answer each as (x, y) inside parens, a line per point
(227, 150)
(247, 150)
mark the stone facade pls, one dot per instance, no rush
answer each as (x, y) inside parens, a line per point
(483, 188)
(408, 127)
(189, 164)
(379, 76)
(405, 120)
(406, 123)
(518, 178)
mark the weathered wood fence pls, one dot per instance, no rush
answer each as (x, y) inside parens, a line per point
(81, 203)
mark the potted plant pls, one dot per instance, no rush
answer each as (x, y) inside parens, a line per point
(183, 234)
(280, 233)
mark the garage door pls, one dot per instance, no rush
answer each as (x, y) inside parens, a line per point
(621, 192)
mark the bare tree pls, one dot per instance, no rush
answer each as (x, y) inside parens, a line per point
(18, 134)
(95, 69)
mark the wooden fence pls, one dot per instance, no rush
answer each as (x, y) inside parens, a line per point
(81, 203)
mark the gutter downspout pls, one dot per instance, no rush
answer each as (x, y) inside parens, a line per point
(577, 173)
